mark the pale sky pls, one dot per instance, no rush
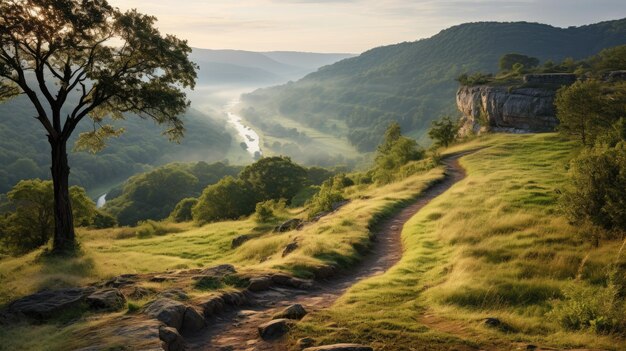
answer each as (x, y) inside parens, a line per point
(349, 25)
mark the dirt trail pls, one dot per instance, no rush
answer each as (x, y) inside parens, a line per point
(237, 330)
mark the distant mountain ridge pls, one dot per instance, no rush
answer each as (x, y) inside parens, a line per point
(240, 67)
(413, 83)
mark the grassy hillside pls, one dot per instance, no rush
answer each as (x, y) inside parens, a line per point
(413, 83)
(494, 245)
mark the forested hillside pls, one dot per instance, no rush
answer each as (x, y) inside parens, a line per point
(413, 83)
(24, 149)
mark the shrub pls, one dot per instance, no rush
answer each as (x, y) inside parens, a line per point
(182, 211)
(264, 211)
(230, 198)
(150, 228)
(103, 220)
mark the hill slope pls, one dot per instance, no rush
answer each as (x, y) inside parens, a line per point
(413, 82)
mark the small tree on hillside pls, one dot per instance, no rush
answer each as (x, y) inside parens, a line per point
(509, 61)
(444, 131)
(395, 151)
(106, 62)
(274, 178)
(584, 110)
(30, 224)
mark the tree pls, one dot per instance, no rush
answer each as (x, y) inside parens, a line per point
(596, 194)
(230, 198)
(274, 178)
(109, 62)
(444, 131)
(508, 61)
(30, 224)
(584, 110)
(395, 151)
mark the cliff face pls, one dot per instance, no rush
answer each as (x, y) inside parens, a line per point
(498, 109)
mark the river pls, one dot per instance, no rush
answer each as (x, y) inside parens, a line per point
(246, 134)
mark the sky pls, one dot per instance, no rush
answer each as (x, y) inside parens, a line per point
(349, 26)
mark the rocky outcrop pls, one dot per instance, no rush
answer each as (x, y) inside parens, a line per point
(499, 108)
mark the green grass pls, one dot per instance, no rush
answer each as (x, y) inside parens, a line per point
(493, 245)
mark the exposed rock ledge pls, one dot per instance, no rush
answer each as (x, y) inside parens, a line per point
(496, 108)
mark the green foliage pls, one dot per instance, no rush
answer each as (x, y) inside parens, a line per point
(182, 211)
(274, 178)
(517, 62)
(596, 194)
(155, 194)
(610, 59)
(304, 195)
(477, 78)
(30, 223)
(394, 152)
(444, 131)
(413, 82)
(230, 198)
(103, 220)
(267, 211)
(150, 228)
(581, 110)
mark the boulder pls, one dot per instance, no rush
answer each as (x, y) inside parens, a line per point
(341, 347)
(106, 299)
(139, 293)
(175, 294)
(172, 341)
(235, 298)
(285, 280)
(288, 225)
(168, 311)
(275, 329)
(192, 321)
(121, 280)
(220, 271)
(260, 284)
(291, 247)
(238, 241)
(212, 306)
(49, 303)
(292, 312)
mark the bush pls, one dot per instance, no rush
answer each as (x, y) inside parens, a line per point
(587, 307)
(103, 220)
(444, 131)
(394, 152)
(182, 211)
(304, 195)
(329, 194)
(230, 198)
(150, 228)
(596, 195)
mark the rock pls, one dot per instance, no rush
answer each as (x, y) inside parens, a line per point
(615, 76)
(557, 79)
(305, 342)
(274, 329)
(341, 347)
(292, 312)
(288, 225)
(171, 339)
(140, 293)
(260, 284)
(285, 280)
(235, 298)
(337, 205)
(168, 311)
(498, 109)
(175, 294)
(160, 279)
(498, 324)
(291, 247)
(238, 241)
(121, 280)
(106, 299)
(212, 306)
(49, 303)
(220, 271)
(192, 321)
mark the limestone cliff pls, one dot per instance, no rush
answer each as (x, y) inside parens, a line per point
(497, 108)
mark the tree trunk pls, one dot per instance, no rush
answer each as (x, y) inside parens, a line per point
(64, 237)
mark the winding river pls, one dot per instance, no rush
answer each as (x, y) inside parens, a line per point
(246, 134)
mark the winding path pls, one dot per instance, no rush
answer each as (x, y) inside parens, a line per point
(237, 330)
